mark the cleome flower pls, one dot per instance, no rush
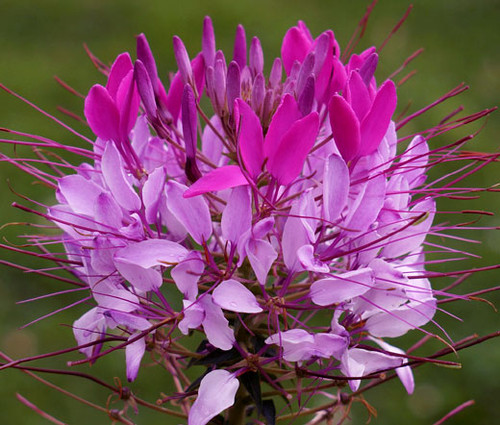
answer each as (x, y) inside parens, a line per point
(284, 213)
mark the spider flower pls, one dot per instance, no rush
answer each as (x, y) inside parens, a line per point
(288, 222)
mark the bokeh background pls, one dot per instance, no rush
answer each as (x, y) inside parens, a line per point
(40, 39)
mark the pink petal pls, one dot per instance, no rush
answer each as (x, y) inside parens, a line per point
(335, 187)
(284, 117)
(305, 255)
(288, 160)
(233, 296)
(120, 68)
(250, 140)
(216, 393)
(218, 179)
(102, 114)
(114, 176)
(341, 287)
(193, 213)
(345, 127)
(358, 96)
(376, 122)
(295, 46)
(297, 344)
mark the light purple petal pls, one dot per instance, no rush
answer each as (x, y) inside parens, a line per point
(187, 273)
(329, 345)
(367, 205)
(305, 254)
(90, 327)
(152, 193)
(341, 287)
(237, 215)
(405, 374)
(81, 194)
(297, 344)
(233, 296)
(193, 316)
(143, 280)
(218, 179)
(215, 324)
(152, 252)
(216, 393)
(345, 127)
(114, 176)
(261, 255)
(335, 187)
(134, 351)
(193, 213)
(287, 162)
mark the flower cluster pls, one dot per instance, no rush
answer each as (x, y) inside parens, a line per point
(285, 228)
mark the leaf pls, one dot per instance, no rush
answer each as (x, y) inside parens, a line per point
(269, 412)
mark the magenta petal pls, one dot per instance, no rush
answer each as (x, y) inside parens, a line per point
(250, 140)
(183, 62)
(287, 162)
(240, 47)
(102, 114)
(193, 213)
(127, 101)
(358, 95)
(174, 96)
(341, 287)
(215, 324)
(376, 122)
(218, 179)
(335, 187)
(233, 296)
(208, 42)
(216, 393)
(284, 117)
(237, 216)
(145, 88)
(134, 351)
(145, 56)
(114, 176)
(345, 127)
(120, 68)
(295, 46)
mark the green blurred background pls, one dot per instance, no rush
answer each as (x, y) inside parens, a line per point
(39, 39)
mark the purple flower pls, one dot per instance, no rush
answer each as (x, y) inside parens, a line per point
(280, 227)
